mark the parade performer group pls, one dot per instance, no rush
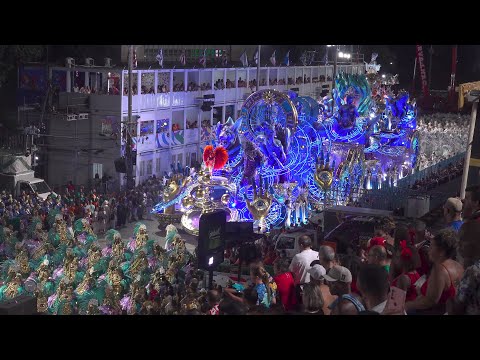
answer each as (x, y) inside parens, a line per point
(72, 274)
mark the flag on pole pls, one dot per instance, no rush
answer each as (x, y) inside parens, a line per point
(255, 57)
(244, 59)
(135, 58)
(203, 59)
(159, 57)
(183, 58)
(272, 58)
(286, 60)
(303, 58)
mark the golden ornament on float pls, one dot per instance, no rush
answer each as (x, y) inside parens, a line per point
(200, 193)
(225, 199)
(324, 178)
(206, 178)
(188, 202)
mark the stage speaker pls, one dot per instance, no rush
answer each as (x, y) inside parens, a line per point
(21, 305)
(120, 165)
(211, 239)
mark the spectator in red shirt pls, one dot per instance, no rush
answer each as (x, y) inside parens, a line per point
(70, 187)
(213, 299)
(285, 284)
(407, 261)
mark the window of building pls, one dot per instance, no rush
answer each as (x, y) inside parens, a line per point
(97, 169)
(193, 159)
(149, 167)
(142, 168)
(146, 127)
(158, 165)
(180, 159)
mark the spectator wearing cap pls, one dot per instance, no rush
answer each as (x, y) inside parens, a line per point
(339, 280)
(326, 255)
(471, 208)
(301, 261)
(452, 213)
(374, 286)
(467, 299)
(317, 272)
(285, 284)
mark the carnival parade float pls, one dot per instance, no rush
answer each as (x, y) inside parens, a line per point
(287, 155)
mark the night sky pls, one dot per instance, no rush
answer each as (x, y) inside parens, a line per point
(468, 63)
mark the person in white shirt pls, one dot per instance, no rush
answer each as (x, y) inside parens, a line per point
(301, 262)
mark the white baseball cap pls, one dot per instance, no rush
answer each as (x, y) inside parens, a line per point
(317, 272)
(339, 273)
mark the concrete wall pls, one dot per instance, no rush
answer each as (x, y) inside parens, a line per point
(75, 146)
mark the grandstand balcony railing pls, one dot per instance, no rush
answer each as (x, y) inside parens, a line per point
(410, 180)
(318, 76)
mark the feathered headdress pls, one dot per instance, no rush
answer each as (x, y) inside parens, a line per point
(215, 158)
(111, 235)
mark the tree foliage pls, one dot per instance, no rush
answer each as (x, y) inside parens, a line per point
(12, 55)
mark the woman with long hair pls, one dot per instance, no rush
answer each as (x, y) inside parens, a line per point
(312, 300)
(445, 274)
(406, 260)
(266, 289)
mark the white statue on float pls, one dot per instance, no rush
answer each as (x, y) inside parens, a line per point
(372, 67)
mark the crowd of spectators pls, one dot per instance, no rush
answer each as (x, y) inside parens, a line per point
(104, 210)
(112, 90)
(402, 269)
(220, 84)
(441, 137)
(436, 178)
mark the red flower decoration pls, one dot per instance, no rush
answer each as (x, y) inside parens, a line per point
(215, 158)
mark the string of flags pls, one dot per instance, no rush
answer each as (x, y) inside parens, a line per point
(306, 58)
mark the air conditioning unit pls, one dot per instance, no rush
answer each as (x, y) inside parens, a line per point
(108, 62)
(69, 62)
(83, 116)
(72, 117)
(89, 62)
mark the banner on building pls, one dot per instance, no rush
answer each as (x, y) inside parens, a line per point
(423, 71)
